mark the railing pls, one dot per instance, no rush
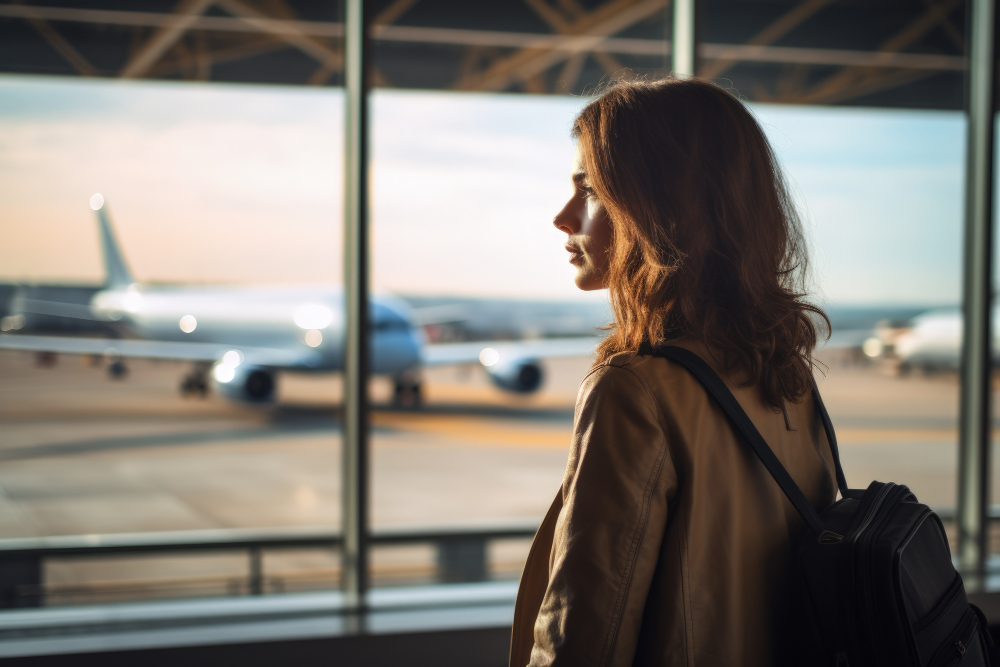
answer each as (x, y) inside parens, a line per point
(461, 552)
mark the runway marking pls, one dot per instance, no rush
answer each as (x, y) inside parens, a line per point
(476, 430)
(451, 430)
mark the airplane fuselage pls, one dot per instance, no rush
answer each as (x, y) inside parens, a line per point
(306, 320)
(239, 338)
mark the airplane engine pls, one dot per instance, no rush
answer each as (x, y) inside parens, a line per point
(522, 376)
(249, 384)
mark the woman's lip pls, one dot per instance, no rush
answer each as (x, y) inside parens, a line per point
(575, 254)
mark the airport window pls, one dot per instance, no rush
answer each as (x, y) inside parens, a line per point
(195, 228)
(464, 189)
(465, 183)
(881, 197)
(175, 314)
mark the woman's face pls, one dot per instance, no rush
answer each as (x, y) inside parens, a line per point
(586, 222)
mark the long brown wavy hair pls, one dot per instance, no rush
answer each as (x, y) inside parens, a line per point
(706, 241)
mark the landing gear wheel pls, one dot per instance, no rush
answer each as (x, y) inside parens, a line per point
(195, 382)
(117, 370)
(407, 393)
(46, 359)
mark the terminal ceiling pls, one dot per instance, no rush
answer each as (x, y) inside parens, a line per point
(889, 53)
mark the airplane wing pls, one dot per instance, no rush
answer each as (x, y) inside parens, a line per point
(444, 354)
(156, 349)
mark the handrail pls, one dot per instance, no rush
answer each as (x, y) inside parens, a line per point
(461, 550)
(241, 538)
(224, 539)
(950, 513)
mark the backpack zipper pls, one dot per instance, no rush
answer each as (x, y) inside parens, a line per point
(958, 643)
(866, 535)
(849, 609)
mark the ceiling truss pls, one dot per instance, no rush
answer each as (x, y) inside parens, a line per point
(566, 46)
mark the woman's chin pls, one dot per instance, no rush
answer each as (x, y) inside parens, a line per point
(587, 281)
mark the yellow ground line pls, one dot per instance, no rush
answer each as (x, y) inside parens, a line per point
(496, 432)
(477, 430)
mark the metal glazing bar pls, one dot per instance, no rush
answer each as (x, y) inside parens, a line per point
(256, 586)
(354, 471)
(683, 48)
(975, 415)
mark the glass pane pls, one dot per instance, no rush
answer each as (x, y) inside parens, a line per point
(881, 197)
(210, 185)
(465, 187)
(186, 238)
(465, 184)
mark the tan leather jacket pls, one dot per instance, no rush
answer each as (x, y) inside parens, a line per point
(668, 542)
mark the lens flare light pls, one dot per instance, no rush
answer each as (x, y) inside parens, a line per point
(313, 316)
(232, 358)
(314, 338)
(132, 301)
(872, 347)
(223, 373)
(188, 323)
(489, 357)
(225, 370)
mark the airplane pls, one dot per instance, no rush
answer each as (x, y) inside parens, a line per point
(934, 342)
(240, 337)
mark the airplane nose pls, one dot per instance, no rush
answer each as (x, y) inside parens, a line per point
(416, 345)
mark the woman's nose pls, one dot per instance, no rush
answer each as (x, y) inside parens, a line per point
(568, 219)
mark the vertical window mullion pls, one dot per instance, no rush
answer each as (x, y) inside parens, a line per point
(683, 48)
(975, 411)
(357, 353)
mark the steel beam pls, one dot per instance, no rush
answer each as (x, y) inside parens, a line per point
(785, 23)
(975, 415)
(354, 473)
(569, 43)
(683, 48)
(587, 33)
(186, 13)
(839, 86)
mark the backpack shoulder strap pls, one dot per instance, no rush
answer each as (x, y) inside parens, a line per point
(831, 437)
(714, 385)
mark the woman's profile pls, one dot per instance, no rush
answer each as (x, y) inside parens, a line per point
(668, 543)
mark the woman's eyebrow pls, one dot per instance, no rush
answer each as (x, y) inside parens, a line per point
(579, 177)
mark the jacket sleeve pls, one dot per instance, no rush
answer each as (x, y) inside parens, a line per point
(607, 539)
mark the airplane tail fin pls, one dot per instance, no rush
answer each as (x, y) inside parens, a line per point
(115, 267)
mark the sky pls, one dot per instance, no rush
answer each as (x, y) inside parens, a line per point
(225, 183)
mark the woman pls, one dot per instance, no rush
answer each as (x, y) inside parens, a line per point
(668, 543)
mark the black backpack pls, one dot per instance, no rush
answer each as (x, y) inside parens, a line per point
(873, 581)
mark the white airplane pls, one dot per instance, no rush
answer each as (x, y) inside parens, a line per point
(239, 338)
(935, 340)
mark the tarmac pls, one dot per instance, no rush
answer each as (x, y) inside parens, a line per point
(81, 453)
